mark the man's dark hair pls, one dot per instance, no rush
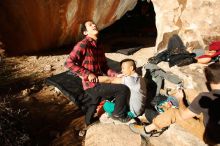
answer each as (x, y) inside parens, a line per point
(212, 73)
(83, 27)
(129, 60)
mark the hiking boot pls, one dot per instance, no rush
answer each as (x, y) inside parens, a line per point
(139, 129)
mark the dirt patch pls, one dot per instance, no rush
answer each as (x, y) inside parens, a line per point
(53, 118)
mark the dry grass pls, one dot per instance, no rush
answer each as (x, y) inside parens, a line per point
(6, 72)
(12, 131)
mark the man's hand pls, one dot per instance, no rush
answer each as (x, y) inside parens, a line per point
(92, 78)
(120, 75)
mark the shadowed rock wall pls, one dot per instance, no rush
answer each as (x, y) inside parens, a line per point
(196, 21)
(31, 25)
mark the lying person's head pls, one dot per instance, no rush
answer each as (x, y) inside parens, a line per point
(212, 74)
(128, 66)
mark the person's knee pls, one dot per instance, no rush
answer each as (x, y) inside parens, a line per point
(121, 87)
(167, 118)
(124, 89)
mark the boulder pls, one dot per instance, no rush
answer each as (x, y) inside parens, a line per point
(196, 22)
(176, 136)
(120, 135)
(111, 135)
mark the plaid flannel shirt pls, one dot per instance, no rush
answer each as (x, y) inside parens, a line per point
(85, 58)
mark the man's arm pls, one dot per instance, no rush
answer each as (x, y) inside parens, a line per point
(75, 59)
(112, 80)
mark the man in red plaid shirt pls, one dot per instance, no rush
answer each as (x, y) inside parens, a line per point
(88, 61)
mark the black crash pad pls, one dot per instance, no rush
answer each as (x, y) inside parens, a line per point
(71, 86)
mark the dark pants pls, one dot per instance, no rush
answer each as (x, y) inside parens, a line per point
(104, 91)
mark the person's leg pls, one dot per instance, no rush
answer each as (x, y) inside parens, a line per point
(119, 91)
(89, 116)
(161, 121)
(91, 104)
(167, 118)
(150, 113)
(122, 95)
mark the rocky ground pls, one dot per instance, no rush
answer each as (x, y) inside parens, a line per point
(53, 119)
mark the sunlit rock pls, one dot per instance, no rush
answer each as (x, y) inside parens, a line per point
(196, 21)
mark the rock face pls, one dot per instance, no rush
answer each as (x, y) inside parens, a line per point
(196, 21)
(121, 135)
(111, 135)
(176, 136)
(29, 26)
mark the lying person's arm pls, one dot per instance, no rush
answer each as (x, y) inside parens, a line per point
(107, 79)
